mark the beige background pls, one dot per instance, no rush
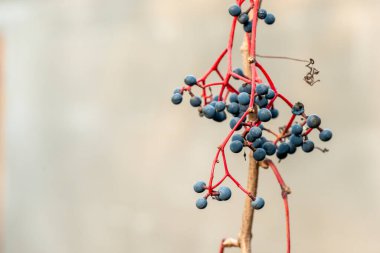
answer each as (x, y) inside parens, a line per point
(98, 160)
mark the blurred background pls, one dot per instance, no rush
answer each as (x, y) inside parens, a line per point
(97, 159)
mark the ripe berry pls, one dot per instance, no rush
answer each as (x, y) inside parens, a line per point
(244, 98)
(270, 148)
(195, 101)
(256, 132)
(233, 108)
(283, 148)
(262, 89)
(216, 98)
(298, 108)
(190, 80)
(201, 203)
(248, 27)
(259, 154)
(250, 137)
(297, 129)
(281, 155)
(264, 115)
(234, 98)
(237, 137)
(261, 14)
(209, 111)
(308, 146)
(238, 71)
(220, 116)
(296, 140)
(176, 98)
(274, 112)
(220, 106)
(258, 143)
(270, 94)
(269, 19)
(325, 135)
(236, 146)
(243, 18)
(313, 121)
(261, 101)
(233, 123)
(292, 148)
(177, 90)
(224, 193)
(258, 203)
(246, 88)
(199, 186)
(234, 10)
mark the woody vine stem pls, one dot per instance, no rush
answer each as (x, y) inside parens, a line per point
(251, 105)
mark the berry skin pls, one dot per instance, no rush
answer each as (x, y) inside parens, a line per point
(261, 14)
(195, 101)
(236, 146)
(233, 123)
(220, 106)
(238, 71)
(177, 90)
(296, 140)
(246, 88)
(298, 108)
(250, 137)
(190, 80)
(258, 203)
(199, 187)
(281, 155)
(283, 148)
(261, 101)
(248, 27)
(220, 116)
(270, 19)
(258, 143)
(270, 94)
(325, 135)
(233, 108)
(237, 137)
(297, 129)
(292, 148)
(259, 154)
(274, 112)
(244, 98)
(262, 89)
(313, 121)
(176, 98)
(224, 193)
(234, 98)
(243, 18)
(201, 203)
(209, 111)
(270, 148)
(308, 146)
(256, 132)
(264, 115)
(234, 10)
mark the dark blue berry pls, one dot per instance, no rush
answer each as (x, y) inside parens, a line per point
(224, 193)
(274, 112)
(281, 155)
(233, 123)
(258, 143)
(220, 106)
(233, 108)
(213, 103)
(237, 137)
(270, 19)
(308, 146)
(250, 137)
(283, 148)
(248, 27)
(199, 186)
(176, 98)
(244, 98)
(195, 101)
(325, 135)
(296, 140)
(261, 14)
(256, 132)
(259, 154)
(292, 148)
(239, 72)
(243, 18)
(313, 121)
(201, 203)
(234, 10)
(216, 98)
(236, 146)
(209, 111)
(298, 108)
(297, 129)
(262, 89)
(261, 126)
(234, 98)
(246, 88)
(177, 90)
(261, 101)
(269, 148)
(220, 116)
(190, 80)
(270, 94)
(264, 115)
(258, 203)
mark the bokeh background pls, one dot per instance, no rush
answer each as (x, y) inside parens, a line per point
(97, 159)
